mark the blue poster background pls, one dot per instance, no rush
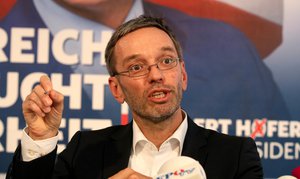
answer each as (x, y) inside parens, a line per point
(232, 89)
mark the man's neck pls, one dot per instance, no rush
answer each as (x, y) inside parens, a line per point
(157, 133)
(110, 13)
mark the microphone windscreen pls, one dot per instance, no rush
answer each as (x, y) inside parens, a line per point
(287, 177)
(181, 167)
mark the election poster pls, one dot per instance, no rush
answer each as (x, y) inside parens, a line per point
(242, 60)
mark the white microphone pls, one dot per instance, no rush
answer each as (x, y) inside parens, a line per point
(287, 177)
(181, 167)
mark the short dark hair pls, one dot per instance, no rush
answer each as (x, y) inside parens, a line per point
(130, 26)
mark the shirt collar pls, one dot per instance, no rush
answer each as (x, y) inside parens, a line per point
(179, 134)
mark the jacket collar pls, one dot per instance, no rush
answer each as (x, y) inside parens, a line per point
(195, 142)
(117, 150)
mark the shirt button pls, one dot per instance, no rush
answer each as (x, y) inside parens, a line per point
(31, 152)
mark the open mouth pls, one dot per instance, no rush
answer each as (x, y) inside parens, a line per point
(158, 95)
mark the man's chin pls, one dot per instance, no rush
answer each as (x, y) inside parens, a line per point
(160, 114)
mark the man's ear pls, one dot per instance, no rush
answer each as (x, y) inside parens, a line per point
(116, 89)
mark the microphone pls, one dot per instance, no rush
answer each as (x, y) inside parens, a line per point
(181, 167)
(287, 177)
(296, 172)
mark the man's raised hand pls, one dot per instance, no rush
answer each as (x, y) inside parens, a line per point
(42, 110)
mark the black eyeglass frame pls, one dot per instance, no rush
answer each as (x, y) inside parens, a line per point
(148, 68)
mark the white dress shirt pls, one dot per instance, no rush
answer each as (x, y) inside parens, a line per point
(32, 149)
(146, 159)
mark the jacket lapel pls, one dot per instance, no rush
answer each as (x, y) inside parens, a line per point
(195, 143)
(117, 151)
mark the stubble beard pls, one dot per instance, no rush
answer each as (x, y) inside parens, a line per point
(154, 113)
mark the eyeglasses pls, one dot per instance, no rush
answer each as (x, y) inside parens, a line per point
(137, 70)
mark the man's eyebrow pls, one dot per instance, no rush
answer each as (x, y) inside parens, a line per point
(135, 56)
(129, 58)
(168, 48)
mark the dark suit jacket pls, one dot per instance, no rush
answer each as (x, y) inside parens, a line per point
(102, 153)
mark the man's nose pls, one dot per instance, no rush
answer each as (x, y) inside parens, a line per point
(155, 74)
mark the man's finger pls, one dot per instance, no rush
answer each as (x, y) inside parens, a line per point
(40, 93)
(41, 102)
(30, 106)
(58, 100)
(46, 84)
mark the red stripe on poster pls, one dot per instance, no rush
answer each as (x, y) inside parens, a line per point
(124, 119)
(5, 7)
(264, 34)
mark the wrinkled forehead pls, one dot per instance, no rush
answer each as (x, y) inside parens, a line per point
(145, 41)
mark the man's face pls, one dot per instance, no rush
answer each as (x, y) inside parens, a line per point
(157, 95)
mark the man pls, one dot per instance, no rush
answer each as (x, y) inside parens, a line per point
(147, 71)
(248, 89)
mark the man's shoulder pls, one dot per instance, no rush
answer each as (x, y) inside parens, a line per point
(226, 156)
(216, 140)
(225, 137)
(113, 132)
